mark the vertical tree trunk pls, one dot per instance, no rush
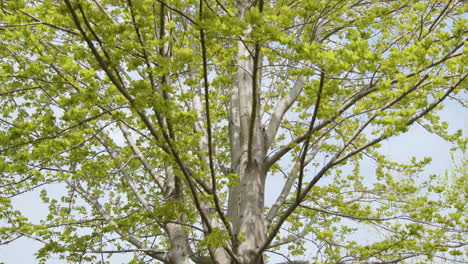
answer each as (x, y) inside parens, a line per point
(178, 251)
(246, 200)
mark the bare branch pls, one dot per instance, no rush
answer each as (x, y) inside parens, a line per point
(281, 108)
(140, 156)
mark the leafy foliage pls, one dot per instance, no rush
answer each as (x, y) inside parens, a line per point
(161, 121)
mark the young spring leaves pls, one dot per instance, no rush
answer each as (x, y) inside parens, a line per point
(161, 123)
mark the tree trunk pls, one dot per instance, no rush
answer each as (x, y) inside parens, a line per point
(178, 251)
(246, 200)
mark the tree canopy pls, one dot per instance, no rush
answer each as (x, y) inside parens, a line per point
(163, 121)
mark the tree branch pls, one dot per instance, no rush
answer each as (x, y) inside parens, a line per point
(281, 108)
(309, 133)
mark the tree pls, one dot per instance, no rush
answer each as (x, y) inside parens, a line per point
(164, 120)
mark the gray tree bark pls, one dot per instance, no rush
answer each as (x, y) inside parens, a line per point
(246, 200)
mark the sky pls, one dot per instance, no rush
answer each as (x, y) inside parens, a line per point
(416, 142)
